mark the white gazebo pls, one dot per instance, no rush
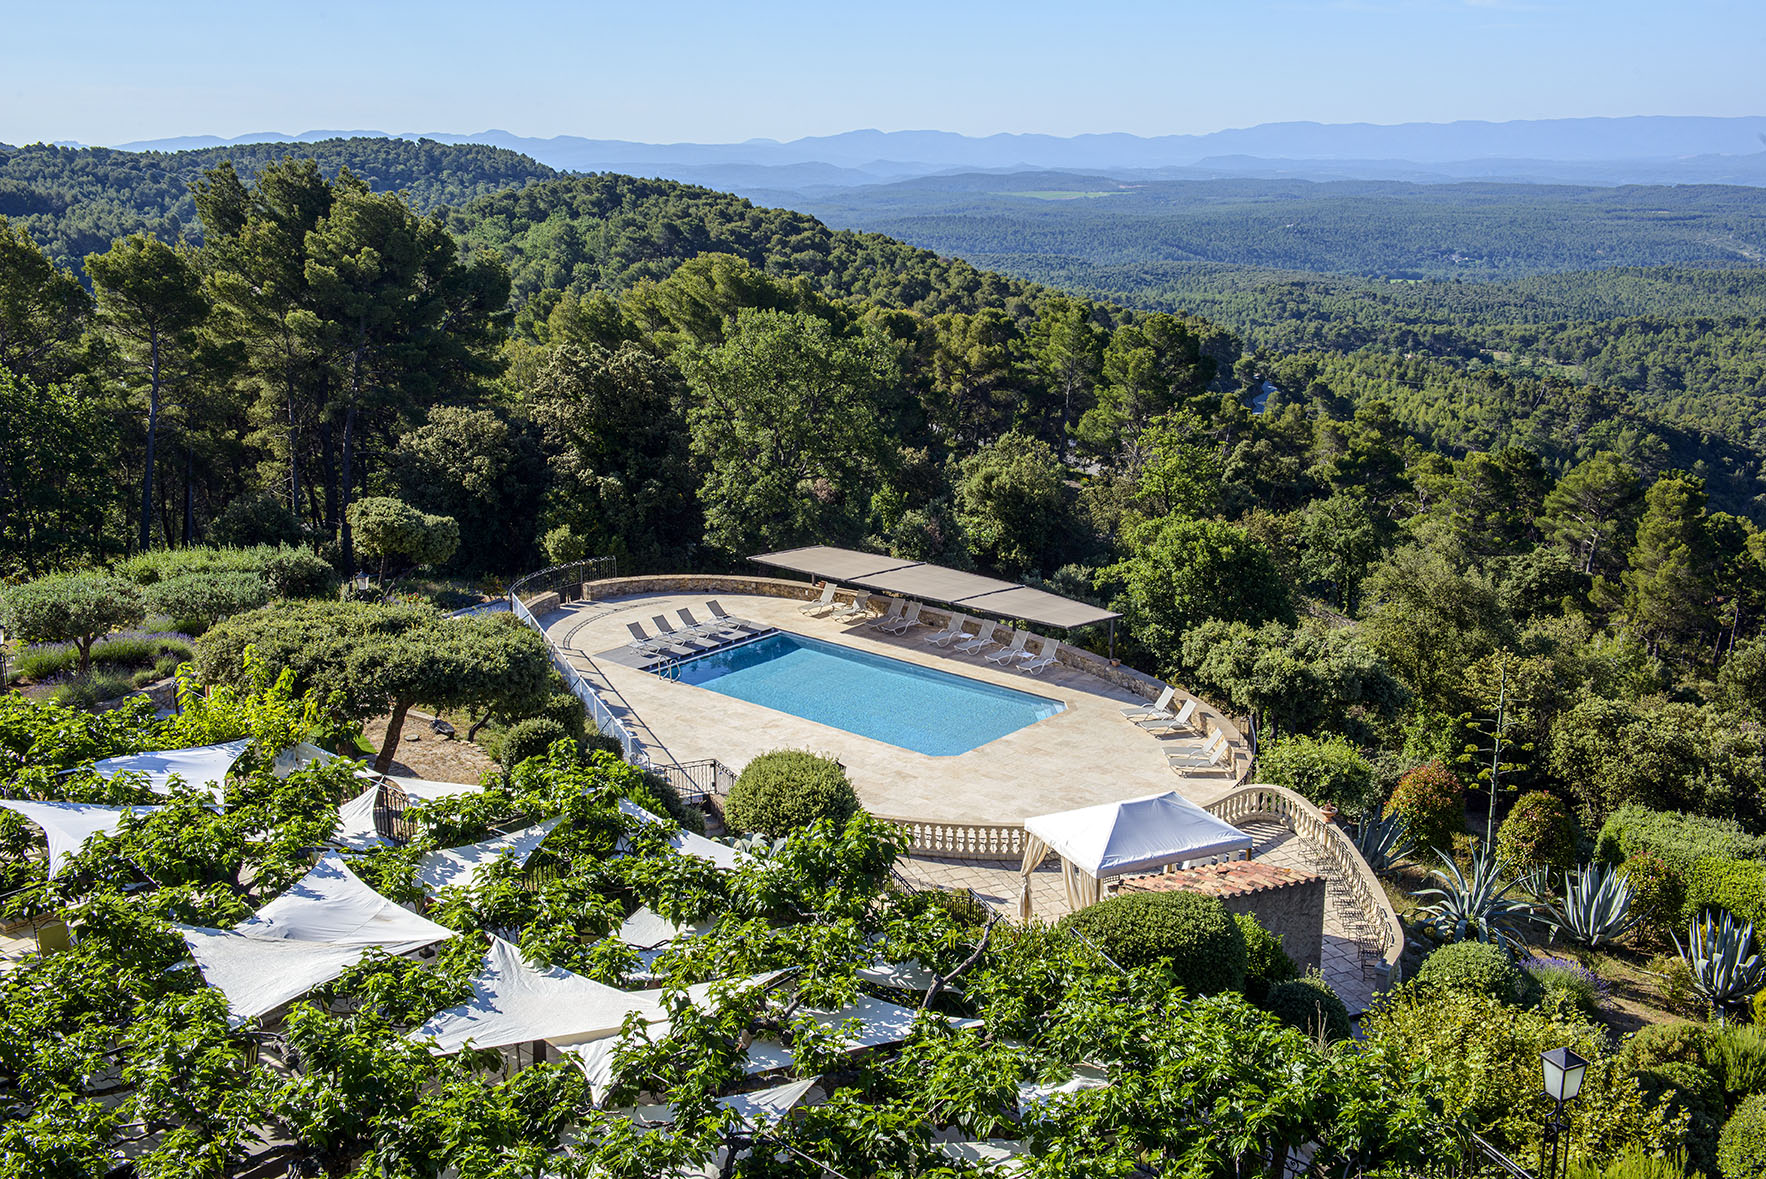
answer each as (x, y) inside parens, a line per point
(1119, 838)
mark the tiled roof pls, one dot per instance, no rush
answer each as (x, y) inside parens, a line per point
(1235, 878)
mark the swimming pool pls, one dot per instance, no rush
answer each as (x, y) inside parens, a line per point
(903, 704)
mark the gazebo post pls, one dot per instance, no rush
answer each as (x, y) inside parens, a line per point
(1112, 638)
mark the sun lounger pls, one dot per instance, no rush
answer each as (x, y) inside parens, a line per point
(893, 615)
(1051, 651)
(676, 637)
(713, 630)
(1159, 708)
(821, 603)
(642, 641)
(1009, 654)
(952, 631)
(983, 639)
(857, 608)
(910, 618)
(730, 620)
(1210, 755)
(1181, 719)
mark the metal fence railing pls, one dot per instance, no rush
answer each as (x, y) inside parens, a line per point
(696, 782)
(569, 581)
(591, 700)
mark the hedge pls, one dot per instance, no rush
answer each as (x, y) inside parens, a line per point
(1266, 963)
(1681, 840)
(1734, 886)
(529, 738)
(1689, 1089)
(1658, 893)
(1310, 1005)
(1204, 944)
(1741, 1151)
(1476, 968)
(788, 790)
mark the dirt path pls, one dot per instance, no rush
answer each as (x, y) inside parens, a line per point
(424, 753)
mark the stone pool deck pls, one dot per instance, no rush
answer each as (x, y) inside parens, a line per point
(1083, 755)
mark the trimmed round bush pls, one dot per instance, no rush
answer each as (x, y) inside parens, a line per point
(1538, 833)
(1658, 893)
(530, 738)
(253, 520)
(1432, 800)
(788, 790)
(567, 710)
(1310, 1005)
(1678, 1042)
(1741, 1151)
(1203, 942)
(300, 573)
(196, 601)
(1694, 1091)
(1476, 968)
(1266, 963)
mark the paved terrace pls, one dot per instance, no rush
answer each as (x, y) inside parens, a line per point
(1083, 755)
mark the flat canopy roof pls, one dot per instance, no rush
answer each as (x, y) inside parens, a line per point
(939, 583)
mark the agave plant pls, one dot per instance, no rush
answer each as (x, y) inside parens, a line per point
(1595, 906)
(1474, 906)
(1725, 968)
(1383, 842)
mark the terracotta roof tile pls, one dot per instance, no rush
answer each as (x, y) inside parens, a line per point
(1235, 878)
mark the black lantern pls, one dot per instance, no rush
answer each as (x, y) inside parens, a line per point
(1564, 1071)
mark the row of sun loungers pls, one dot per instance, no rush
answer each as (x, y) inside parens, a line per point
(903, 614)
(689, 636)
(1165, 716)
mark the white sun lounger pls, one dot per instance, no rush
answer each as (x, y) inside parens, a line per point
(1211, 754)
(1160, 707)
(909, 619)
(893, 615)
(821, 603)
(643, 642)
(952, 631)
(1181, 719)
(1051, 651)
(857, 608)
(677, 637)
(1008, 654)
(983, 639)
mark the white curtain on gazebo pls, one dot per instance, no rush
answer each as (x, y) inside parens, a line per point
(68, 825)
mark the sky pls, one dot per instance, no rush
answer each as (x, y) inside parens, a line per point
(107, 72)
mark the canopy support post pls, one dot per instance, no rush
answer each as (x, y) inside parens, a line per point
(1112, 638)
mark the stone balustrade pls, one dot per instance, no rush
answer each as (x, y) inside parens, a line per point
(963, 841)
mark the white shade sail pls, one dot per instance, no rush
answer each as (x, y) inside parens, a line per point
(988, 1154)
(322, 925)
(514, 1001)
(719, 855)
(299, 756)
(458, 867)
(203, 767)
(355, 823)
(1141, 834)
(425, 790)
(880, 1022)
(68, 825)
(647, 929)
(755, 1109)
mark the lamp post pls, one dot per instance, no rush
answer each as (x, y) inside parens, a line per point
(1563, 1080)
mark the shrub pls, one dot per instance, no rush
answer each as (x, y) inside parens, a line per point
(1203, 942)
(46, 662)
(196, 601)
(530, 738)
(1310, 1005)
(1567, 984)
(1673, 982)
(1633, 1163)
(1323, 770)
(1760, 1009)
(299, 573)
(260, 519)
(1658, 893)
(1677, 1042)
(788, 790)
(79, 608)
(1266, 963)
(1691, 1090)
(1432, 800)
(1732, 886)
(1680, 840)
(84, 691)
(666, 800)
(1738, 1057)
(1538, 833)
(567, 710)
(1473, 968)
(1741, 1151)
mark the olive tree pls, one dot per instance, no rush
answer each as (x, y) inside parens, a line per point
(77, 608)
(388, 528)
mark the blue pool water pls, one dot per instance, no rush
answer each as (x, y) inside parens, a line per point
(903, 704)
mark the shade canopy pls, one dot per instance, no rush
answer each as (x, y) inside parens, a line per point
(355, 823)
(299, 756)
(203, 767)
(321, 926)
(939, 583)
(458, 867)
(880, 1022)
(514, 1001)
(68, 825)
(718, 855)
(425, 790)
(1139, 835)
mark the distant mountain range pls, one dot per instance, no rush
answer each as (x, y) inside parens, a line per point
(1637, 150)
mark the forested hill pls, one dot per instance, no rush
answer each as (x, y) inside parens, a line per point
(76, 201)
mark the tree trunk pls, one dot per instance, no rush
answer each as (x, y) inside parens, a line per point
(472, 733)
(395, 727)
(293, 460)
(349, 448)
(189, 499)
(152, 440)
(85, 644)
(328, 455)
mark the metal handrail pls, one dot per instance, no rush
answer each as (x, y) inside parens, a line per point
(591, 700)
(571, 576)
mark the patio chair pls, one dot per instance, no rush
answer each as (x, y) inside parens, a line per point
(821, 603)
(982, 641)
(893, 616)
(952, 631)
(1008, 654)
(642, 641)
(1181, 719)
(730, 620)
(1051, 651)
(1160, 707)
(857, 608)
(1210, 755)
(909, 619)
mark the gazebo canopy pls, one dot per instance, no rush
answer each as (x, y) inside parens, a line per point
(1116, 838)
(939, 583)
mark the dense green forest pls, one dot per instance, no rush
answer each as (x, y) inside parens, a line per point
(76, 201)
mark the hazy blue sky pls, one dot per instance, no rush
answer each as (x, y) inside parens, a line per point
(108, 72)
